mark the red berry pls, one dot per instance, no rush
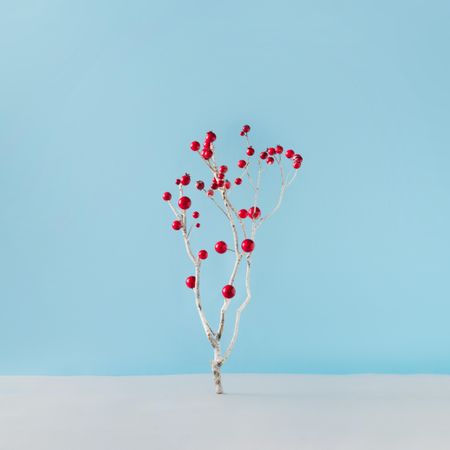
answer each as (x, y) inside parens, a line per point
(184, 202)
(263, 155)
(195, 146)
(238, 181)
(195, 214)
(246, 128)
(221, 247)
(227, 184)
(210, 193)
(250, 151)
(220, 183)
(185, 179)
(243, 213)
(279, 149)
(211, 136)
(167, 196)
(214, 185)
(241, 163)
(220, 176)
(298, 157)
(296, 164)
(254, 212)
(200, 185)
(206, 153)
(190, 282)
(242, 133)
(197, 225)
(228, 291)
(289, 153)
(248, 245)
(202, 254)
(223, 169)
(177, 181)
(176, 225)
(271, 151)
(270, 160)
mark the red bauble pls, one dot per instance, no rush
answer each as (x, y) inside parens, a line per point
(263, 155)
(185, 179)
(246, 128)
(202, 254)
(221, 247)
(228, 291)
(206, 153)
(243, 213)
(241, 163)
(200, 185)
(270, 160)
(195, 214)
(195, 146)
(289, 153)
(248, 245)
(190, 282)
(238, 181)
(279, 149)
(167, 196)
(223, 169)
(184, 202)
(254, 212)
(271, 151)
(250, 151)
(177, 225)
(211, 136)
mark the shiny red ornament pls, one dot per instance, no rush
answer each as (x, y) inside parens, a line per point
(263, 155)
(243, 213)
(195, 146)
(238, 181)
(247, 245)
(167, 196)
(250, 151)
(228, 291)
(241, 163)
(289, 153)
(185, 179)
(221, 247)
(211, 136)
(270, 160)
(177, 225)
(190, 282)
(195, 214)
(200, 185)
(206, 153)
(254, 212)
(184, 202)
(202, 254)
(279, 149)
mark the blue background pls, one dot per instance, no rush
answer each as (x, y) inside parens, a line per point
(99, 102)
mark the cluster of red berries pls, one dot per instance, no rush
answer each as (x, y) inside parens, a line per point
(184, 180)
(245, 130)
(253, 213)
(207, 151)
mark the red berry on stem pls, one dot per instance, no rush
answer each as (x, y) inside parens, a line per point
(241, 163)
(243, 213)
(242, 133)
(167, 196)
(270, 160)
(254, 212)
(279, 149)
(223, 169)
(220, 176)
(202, 254)
(296, 164)
(185, 179)
(246, 128)
(238, 181)
(228, 291)
(248, 245)
(197, 225)
(289, 153)
(176, 225)
(195, 214)
(227, 184)
(206, 153)
(210, 193)
(298, 157)
(211, 136)
(177, 181)
(250, 151)
(221, 247)
(184, 202)
(200, 185)
(263, 155)
(195, 146)
(220, 183)
(271, 151)
(190, 282)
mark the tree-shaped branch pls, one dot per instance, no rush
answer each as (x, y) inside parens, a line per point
(244, 224)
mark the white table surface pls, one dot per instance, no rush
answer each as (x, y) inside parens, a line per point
(260, 412)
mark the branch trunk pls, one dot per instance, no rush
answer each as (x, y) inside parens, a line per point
(215, 366)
